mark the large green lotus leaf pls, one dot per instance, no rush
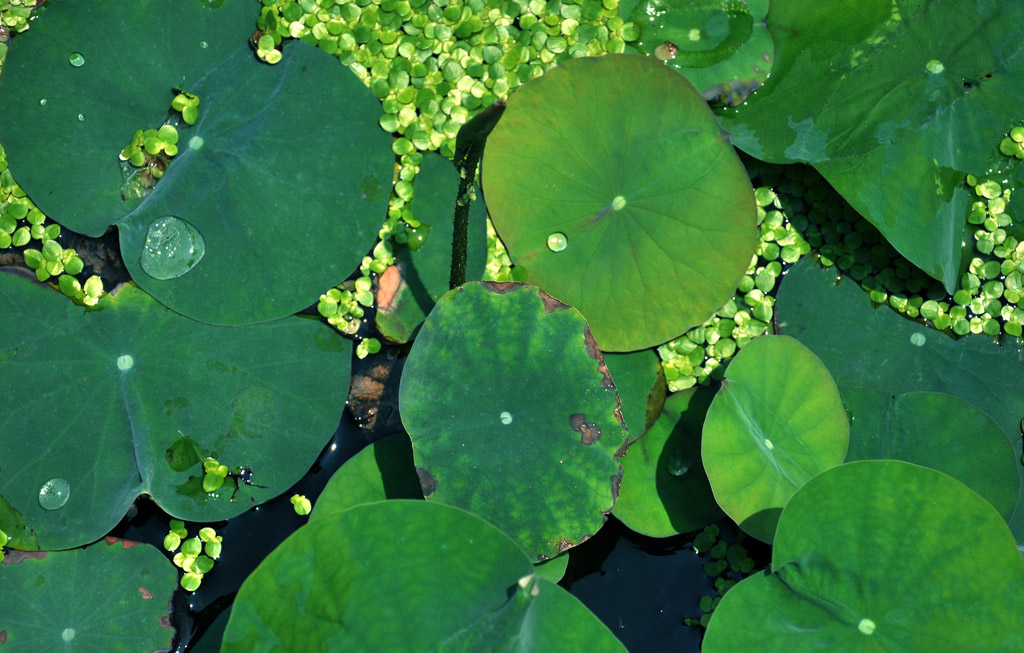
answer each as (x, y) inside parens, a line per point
(880, 555)
(893, 102)
(406, 576)
(722, 46)
(776, 421)
(383, 470)
(283, 177)
(102, 406)
(640, 382)
(935, 430)
(876, 348)
(665, 490)
(615, 188)
(513, 414)
(408, 289)
(111, 597)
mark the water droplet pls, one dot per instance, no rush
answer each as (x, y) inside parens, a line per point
(42, 102)
(54, 494)
(866, 626)
(505, 417)
(768, 444)
(68, 634)
(557, 242)
(81, 117)
(202, 44)
(125, 362)
(918, 339)
(677, 465)
(172, 248)
(76, 59)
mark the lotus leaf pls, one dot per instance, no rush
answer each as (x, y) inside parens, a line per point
(776, 421)
(283, 176)
(894, 103)
(382, 470)
(935, 430)
(102, 406)
(110, 597)
(452, 582)
(613, 186)
(843, 578)
(876, 348)
(513, 414)
(665, 490)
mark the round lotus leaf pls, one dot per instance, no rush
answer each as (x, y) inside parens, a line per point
(939, 431)
(880, 555)
(513, 414)
(382, 470)
(776, 421)
(105, 405)
(111, 596)
(665, 490)
(724, 48)
(615, 189)
(406, 576)
(277, 190)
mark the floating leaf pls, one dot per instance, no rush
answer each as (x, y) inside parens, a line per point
(108, 404)
(111, 596)
(622, 158)
(894, 103)
(513, 414)
(776, 421)
(665, 490)
(272, 171)
(880, 555)
(453, 582)
(876, 348)
(723, 47)
(408, 289)
(383, 470)
(939, 431)
(640, 382)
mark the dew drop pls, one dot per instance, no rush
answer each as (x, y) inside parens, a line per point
(54, 494)
(505, 417)
(76, 59)
(81, 117)
(202, 44)
(172, 248)
(42, 102)
(68, 634)
(866, 626)
(557, 242)
(677, 465)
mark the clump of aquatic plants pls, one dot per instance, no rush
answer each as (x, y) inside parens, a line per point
(823, 364)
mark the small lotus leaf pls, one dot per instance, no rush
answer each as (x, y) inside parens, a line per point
(776, 421)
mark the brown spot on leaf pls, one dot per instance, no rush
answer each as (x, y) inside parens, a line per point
(427, 481)
(550, 303)
(165, 622)
(616, 484)
(15, 557)
(114, 540)
(589, 431)
(146, 594)
(501, 287)
(390, 285)
(595, 353)
(3, 636)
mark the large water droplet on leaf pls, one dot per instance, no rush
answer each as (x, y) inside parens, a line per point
(76, 59)
(172, 248)
(557, 242)
(54, 494)
(678, 465)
